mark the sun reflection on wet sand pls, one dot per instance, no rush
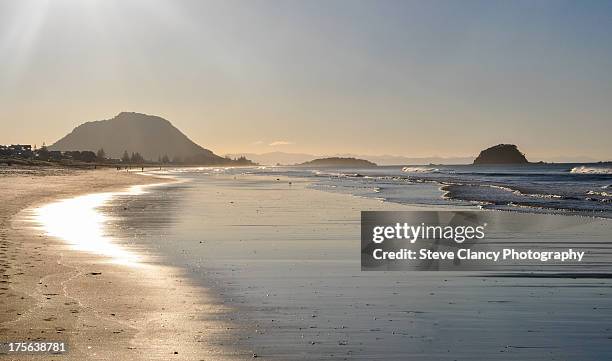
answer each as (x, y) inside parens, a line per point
(80, 223)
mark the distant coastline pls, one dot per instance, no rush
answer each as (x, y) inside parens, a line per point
(338, 162)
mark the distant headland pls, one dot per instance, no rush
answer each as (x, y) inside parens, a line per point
(338, 162)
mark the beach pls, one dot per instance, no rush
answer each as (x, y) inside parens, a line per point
(102, 310)
(233, 265)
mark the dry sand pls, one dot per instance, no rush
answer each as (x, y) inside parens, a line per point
(102, 310)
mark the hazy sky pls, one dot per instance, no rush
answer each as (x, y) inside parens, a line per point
(368, 77)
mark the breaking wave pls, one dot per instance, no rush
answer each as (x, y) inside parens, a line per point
(602, 194)
(591, 170)
(420, 170)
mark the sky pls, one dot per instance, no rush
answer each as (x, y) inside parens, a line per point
(412, 78)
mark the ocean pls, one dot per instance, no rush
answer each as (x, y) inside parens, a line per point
(578, 189)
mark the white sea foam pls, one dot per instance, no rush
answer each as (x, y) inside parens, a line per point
(591, 170)
(602, 194)
(420, 170)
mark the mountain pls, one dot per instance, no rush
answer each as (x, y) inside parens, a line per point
(501, 154)
(273, 158)
(149, 135)
(338, 162)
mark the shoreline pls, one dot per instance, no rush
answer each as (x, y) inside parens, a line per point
(102, 310)
(284, 256)
(223, 304)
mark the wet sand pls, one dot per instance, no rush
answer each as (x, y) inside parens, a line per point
(286, 259)
(104, 311)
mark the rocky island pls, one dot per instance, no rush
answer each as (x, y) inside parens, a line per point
(338, 162)
(501, 154)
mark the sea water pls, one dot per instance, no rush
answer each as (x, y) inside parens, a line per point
(584, 189)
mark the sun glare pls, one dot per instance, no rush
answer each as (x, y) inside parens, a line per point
(79, 222)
